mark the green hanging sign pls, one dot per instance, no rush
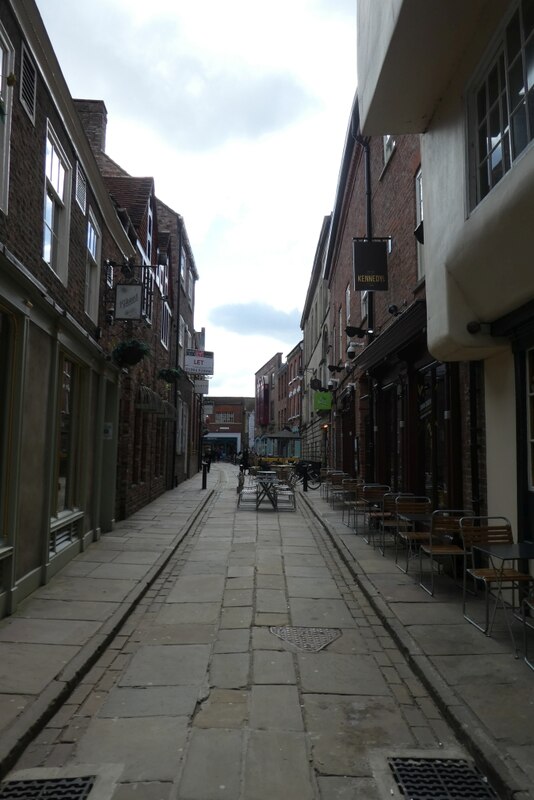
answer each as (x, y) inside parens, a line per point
(322, 401)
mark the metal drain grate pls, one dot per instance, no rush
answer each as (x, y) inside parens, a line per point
(310, 639)
(50, 789)
(440, 779)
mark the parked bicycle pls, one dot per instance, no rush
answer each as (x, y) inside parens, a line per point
(310, 469)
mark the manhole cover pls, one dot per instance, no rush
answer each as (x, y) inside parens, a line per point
(440, 779)
(310, 639)
(52, 789)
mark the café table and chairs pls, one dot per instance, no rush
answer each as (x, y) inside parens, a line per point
(491, 538)
(266, 488)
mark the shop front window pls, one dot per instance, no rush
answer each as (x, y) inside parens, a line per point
(67, 454)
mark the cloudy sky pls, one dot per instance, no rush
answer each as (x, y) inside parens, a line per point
(239, 111)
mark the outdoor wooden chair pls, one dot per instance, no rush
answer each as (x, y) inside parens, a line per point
(412, 510)
(480, 531)
(443, 546)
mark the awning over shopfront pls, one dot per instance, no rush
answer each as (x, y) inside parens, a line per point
(405, 329)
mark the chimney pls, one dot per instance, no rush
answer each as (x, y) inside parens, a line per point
(94, 116)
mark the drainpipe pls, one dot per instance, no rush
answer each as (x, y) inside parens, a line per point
(473, 425)
(177, 364)
(364, 143)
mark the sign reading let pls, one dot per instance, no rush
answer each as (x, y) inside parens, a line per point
(198, 362)
(370, 263)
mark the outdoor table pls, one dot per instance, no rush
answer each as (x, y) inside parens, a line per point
(503, 553)
(266, 489)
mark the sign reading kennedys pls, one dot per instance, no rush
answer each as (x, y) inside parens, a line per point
(128, 299)
(370, 264)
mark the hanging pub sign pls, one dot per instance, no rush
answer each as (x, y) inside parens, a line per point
(202, 386)
(198, 362)
(128, 301)
(370, 264)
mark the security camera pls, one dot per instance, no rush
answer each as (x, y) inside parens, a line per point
(333, 383)
(352, 348)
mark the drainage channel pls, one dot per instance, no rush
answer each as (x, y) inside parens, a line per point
(48, 789)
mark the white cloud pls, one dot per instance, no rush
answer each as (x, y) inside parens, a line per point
(239, 111)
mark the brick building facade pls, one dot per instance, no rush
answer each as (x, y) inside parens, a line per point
(87, 432)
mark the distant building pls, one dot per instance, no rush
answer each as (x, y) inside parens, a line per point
(228, 426)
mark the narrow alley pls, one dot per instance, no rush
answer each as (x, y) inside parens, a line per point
(202, 651)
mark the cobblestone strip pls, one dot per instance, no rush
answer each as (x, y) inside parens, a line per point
(418, 708)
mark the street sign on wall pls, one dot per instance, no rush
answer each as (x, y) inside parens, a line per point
(198, 362)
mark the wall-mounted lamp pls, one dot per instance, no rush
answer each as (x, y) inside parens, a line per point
(359, 332)
(334, 368)
(478, 327)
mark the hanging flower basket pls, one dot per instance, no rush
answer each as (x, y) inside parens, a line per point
(170, 375)
(129, 353)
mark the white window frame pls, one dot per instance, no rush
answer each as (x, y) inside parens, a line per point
(81, 187)
(418, 220)
(165, 325)
(92, 268)
(347, 303)
(190, 287)
(7, 67)
(389, 146)
(56, 206)
(492, 114)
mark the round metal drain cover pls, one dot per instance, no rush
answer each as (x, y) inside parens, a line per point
(310, 639)
(47, 789)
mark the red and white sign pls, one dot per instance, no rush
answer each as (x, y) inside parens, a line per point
(198, 362)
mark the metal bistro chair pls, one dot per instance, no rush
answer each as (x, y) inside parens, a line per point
(481, 531)
(353, 502)
(333, 483)
(388, 521)
(373, 497)
(347, 491)
(411, 511)
(444, 544)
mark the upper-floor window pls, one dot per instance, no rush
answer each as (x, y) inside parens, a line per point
(81, 188)
(190, 286)
(56, 206)
(347, 303)
(92, 268)
(364, 304)
(149, 233)
(224, 416)
(183, 264)
(419, 223)
(7, 63)
(502, 103)
(148, 293)
(165, 325)
(28, 84)
(389, 146)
